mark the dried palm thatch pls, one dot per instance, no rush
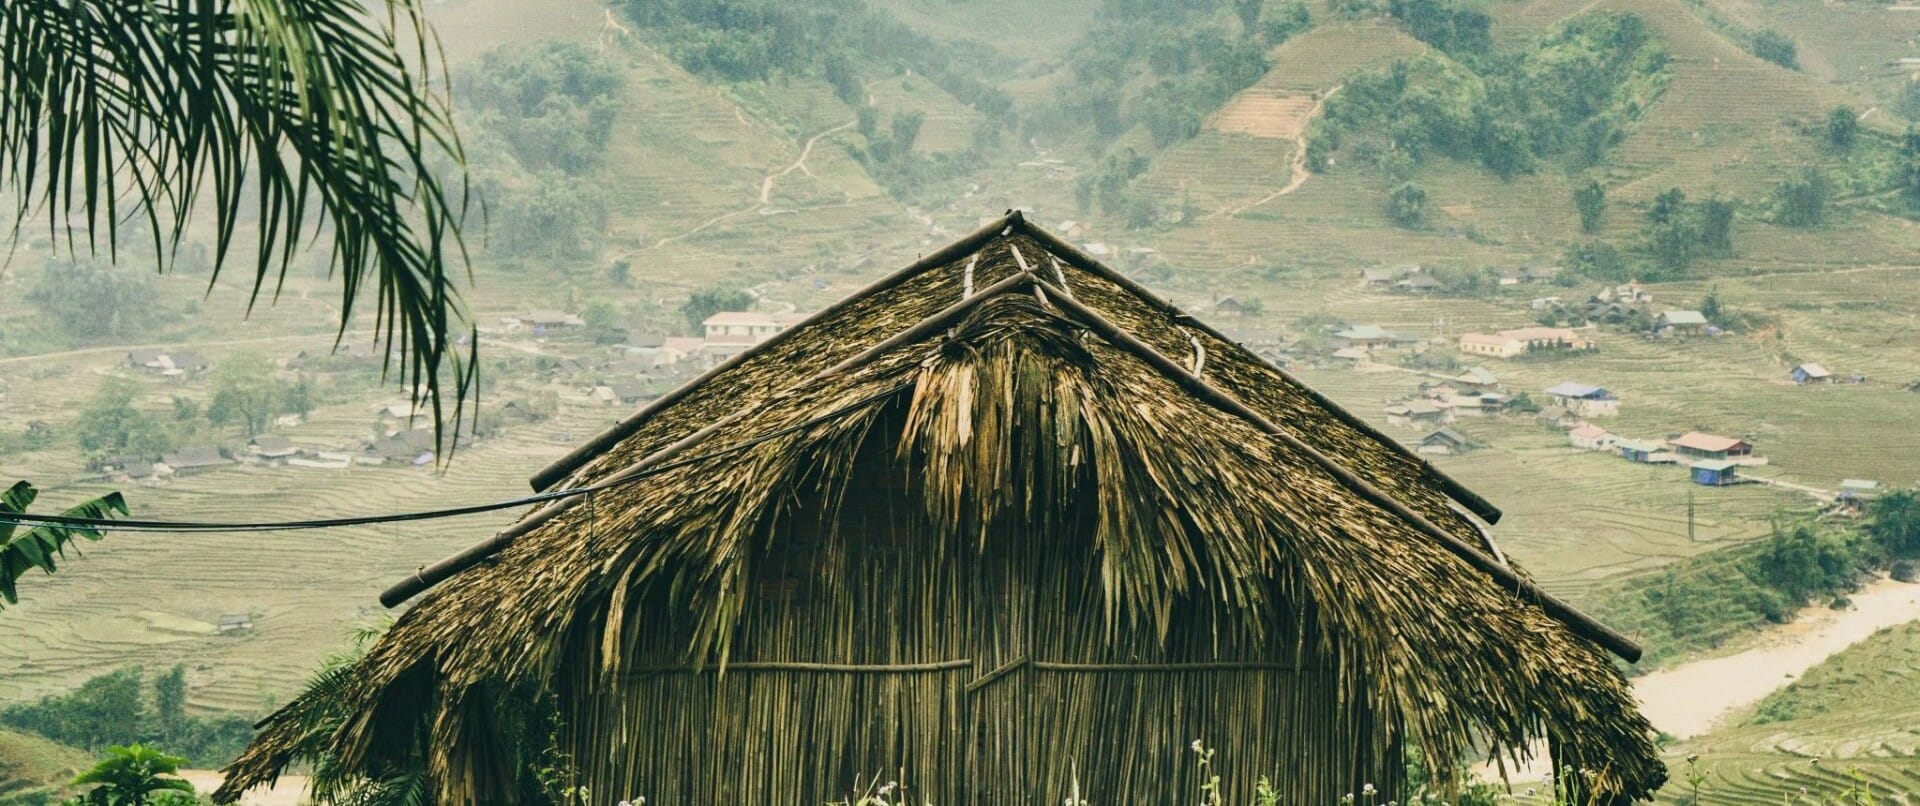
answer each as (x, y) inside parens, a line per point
(998, 524)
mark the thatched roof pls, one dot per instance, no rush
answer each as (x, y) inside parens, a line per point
(1212, 475)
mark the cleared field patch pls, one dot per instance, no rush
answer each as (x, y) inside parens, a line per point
(34, 770)
(1324, 55)
(1265, 112)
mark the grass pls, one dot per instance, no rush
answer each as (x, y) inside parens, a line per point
(34, 770)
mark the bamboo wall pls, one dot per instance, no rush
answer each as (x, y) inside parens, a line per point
(973, 670)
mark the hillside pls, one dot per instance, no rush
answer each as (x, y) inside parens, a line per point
(34, 770)
(1846, 724)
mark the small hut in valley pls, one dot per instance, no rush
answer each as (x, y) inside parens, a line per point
(1000, 525)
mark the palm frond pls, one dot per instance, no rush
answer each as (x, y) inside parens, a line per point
(291, 118)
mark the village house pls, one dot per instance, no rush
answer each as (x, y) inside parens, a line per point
(1630, 294)
(1350, 355)
(549, 321)
(1421, 283)
(1856, 494)
(1477, 378)
(1645, 451)
(1715, 472)
(1364, 337)
(1492, 345)
(746, 328)
(1443, 442)
(1592, 438)
(1698, 445)
(235, 622)
(1522, 340)
(1584, 400)
(1682, 322)
(1418, 414)
(168, 362)
(321, 460)
(1810, 373)
(271, 447)
(1230, 307)
(1379, 278)
(195, 459)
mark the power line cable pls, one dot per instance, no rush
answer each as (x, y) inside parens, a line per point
(108, 524)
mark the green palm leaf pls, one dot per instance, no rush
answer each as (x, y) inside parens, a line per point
(285, 119)
(40, 546)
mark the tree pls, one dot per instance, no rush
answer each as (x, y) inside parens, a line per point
(1289, 19)
(1407, 205)
(94, 300)
(1895, 523)
(1843, 127)
(1801, 200)
(42, 546)
(1716, 225)
(906, 129)
(1710, 306)
(289, 116)
(109, 425)
(603, 323)
(710, 301)
(1591, 200)
(170, 701)
(1775, 46)
(135, 775)
(1910, 169)
(1249, 13)
(246, 393)
(1667, 206)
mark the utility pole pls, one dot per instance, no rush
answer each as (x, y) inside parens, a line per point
(1690, 537)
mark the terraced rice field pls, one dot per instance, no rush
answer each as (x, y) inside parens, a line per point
(1220, 170)
(1851, 721)
(125, 602)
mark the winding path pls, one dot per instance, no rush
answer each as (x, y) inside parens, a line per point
(1297, 174)
(766, 187)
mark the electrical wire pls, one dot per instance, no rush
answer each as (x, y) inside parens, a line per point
(112, 525)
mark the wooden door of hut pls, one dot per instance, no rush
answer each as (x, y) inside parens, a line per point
(972, 669)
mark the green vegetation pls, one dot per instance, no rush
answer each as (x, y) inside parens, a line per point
(1843, 127)
(94, 301)
(1590, 199)
(541, 120)
(1775, 46)
(753, 40)
(1407, 205)
(41, 547)
(1446, 24)
(1701, 602)
(1163, 66)
(1801, 200)
(119, 706)
(1572, 94)
(1678, 232)
(135, 775)
(707, 302)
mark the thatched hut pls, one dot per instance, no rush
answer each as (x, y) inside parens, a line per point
(1001, 523)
